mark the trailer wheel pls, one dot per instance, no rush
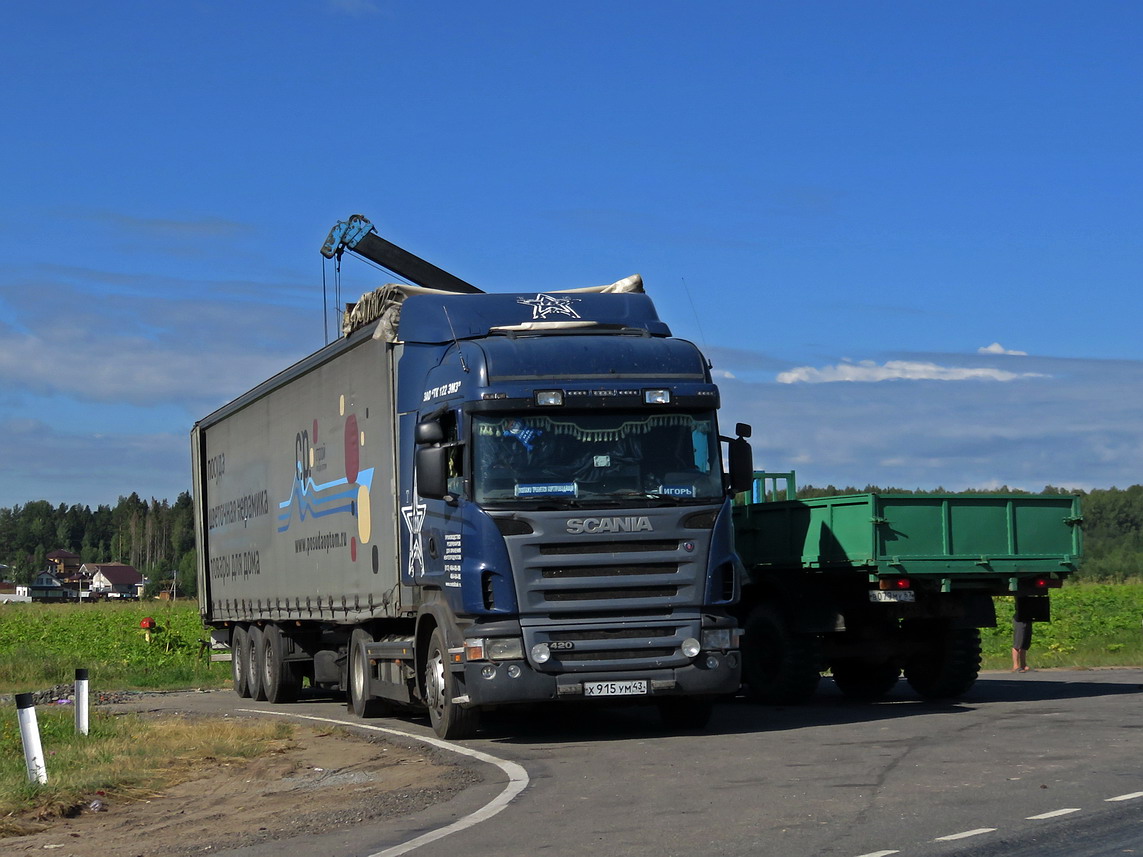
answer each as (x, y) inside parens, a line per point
(240, 661)
(863, 681)
(779, 667)
(945, 664)
(279, 680)
(686, 713)
(255, 641)
(360, 701)
(448, 718)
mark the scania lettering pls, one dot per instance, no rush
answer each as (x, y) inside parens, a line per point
(473, 500)
(609, 525)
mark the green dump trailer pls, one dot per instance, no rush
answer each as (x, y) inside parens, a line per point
(873, 586)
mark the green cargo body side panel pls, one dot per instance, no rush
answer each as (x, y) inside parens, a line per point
(945, 535)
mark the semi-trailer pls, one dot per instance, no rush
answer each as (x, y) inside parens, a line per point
(871, 586)
(471, 500)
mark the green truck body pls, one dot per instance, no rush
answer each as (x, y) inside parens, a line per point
(870, 586)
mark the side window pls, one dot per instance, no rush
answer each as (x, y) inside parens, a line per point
(448, 423)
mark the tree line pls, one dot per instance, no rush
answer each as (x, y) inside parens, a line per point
(157, 537)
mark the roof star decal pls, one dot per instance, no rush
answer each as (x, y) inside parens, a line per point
(545, 305)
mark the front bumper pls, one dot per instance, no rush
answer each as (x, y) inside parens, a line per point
(506, 682)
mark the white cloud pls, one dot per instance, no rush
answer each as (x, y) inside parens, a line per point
(896, 370)
(997, 348)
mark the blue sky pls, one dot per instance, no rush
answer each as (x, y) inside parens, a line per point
(908, 234)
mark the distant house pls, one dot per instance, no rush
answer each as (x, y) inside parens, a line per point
(64, 563)
(46, 587)
(114, 580)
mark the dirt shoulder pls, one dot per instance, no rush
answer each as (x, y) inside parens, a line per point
(326, 780)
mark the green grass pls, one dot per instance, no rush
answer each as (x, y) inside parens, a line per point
(42, 645)
(1093, 625)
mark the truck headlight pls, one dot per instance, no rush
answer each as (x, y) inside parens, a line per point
(716, 638)
(504, 648)
(541, 654)
(691, 647)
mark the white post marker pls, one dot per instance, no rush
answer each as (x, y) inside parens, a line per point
(81, 701)
(30, 736)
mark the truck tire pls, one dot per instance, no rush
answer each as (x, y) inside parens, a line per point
(256, 640)
(357, 683)
(448, 718)
(946, 664)
(686, 713)
(279, 680)
(779, 667)
(240, 661)
(863, 681)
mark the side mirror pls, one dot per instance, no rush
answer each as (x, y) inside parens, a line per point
(743, 429)
(432, 471)
(741, 464)
(427, 432)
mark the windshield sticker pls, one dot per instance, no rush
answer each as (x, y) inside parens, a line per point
(527, 436)
(677, 491)
(544, 306)
(548, 489)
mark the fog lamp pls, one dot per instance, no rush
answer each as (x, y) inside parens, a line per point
(541, 654)
(691, 647)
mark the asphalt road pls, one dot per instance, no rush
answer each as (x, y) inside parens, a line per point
(1042, 763)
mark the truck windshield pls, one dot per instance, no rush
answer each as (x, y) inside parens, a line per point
(595, 457)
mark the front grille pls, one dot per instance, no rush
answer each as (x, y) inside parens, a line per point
(572, 635)
(567, 572)
(575, 548)
(621, 655)
(560, 595)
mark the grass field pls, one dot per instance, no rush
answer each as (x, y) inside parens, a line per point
(1094, 625)
(41, 645)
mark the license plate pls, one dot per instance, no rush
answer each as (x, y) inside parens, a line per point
(896, 595)
(615, 688)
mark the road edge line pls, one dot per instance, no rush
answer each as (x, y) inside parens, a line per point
(517, 778)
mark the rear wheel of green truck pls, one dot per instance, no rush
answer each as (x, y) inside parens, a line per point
(360, 701)
(779, 667)
(863, 681)
(255, 641)
(279, 679)
(945, 662)
(239, 661)
(449, 719)
(686, 713)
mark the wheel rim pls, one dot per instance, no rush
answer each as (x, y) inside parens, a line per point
(434, 682)
(268, 665)
(357, 680)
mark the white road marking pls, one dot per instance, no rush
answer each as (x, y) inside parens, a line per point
(1053, 814)
(1131, 796)
(878, 854)
(965, 834)
(517, 780)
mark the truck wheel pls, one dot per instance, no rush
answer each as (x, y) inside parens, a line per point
(240, 661)
(686, 713)
(279, 680)
(863, 681)
(255, 641)
(779, 667)
(448, 718)
(358, 684)
(946, 664)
